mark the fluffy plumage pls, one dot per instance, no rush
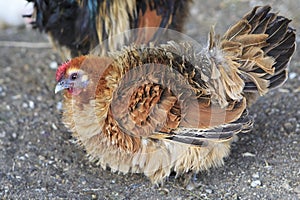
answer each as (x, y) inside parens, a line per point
(173, 107)
(76, 27)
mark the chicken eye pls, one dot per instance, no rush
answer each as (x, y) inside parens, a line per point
(74, 76)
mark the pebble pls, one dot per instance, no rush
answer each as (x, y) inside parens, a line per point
(94, 196)
(59, 105)
(18, 177)
(18, 96)
(31, 104)
(6, 188)
(287, 186)
(41, 157)
(2, 135)
(209, 191)
(297, 189)
(296, 90)
(255, 183)
(39, 98)
(248, 154)
(7, 69)
(50, 162)
(22, 158)
(283, 90)
(292, 75)
(24, 105)
(288, 126)
(14, 135)
(255, 175)
(54, 126)
(190, 187)
(53, 65)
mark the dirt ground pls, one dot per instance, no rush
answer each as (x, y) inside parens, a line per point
(39, 161)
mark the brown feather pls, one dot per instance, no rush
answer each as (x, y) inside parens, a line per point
(148, 18)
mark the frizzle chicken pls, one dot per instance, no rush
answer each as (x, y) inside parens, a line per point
(75, 27)
(155, 109)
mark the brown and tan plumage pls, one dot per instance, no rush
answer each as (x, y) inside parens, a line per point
(173, 107)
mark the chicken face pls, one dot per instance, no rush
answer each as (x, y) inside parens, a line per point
(75, 82)
(70, 77)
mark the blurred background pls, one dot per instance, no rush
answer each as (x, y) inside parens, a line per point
(39, 161)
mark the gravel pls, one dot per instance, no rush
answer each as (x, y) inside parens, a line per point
(38, 159)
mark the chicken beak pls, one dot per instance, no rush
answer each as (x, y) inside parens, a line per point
(61, 85)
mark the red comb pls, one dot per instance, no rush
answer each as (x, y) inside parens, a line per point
(61, 70)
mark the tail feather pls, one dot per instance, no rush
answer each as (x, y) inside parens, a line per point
(277, 80)
(258, 19)
(199, 137)
(265, 45)
(281, 50)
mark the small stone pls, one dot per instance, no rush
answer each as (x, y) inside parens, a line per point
(54, 126)
(297, 189)
(94, 196)
(50, 162)
(255, 183)
(31, 104)
(6, 188)
(288, 126)
(41, 157)
(39, 98)
(22, 158)
(16, 97)
(26, 67)
(287, 186)
(53, 65)
(248, 154)
(190, 187)
(292, 75)
(14, 135)
(24, 105)
(255, 175)
(296, 90)
(209, 191)
(282, 90)
(2, 135)
(7, 69)
(59, 105)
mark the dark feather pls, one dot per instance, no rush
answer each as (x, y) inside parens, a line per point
(73, 23)
(280, 44)
(221, 133)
